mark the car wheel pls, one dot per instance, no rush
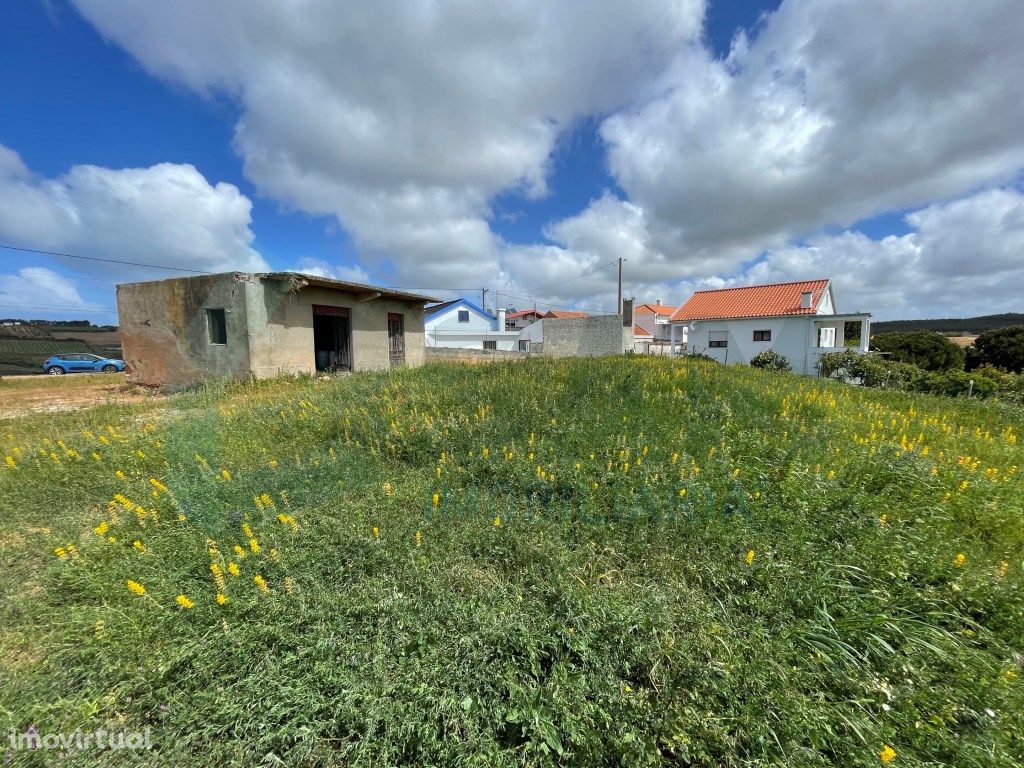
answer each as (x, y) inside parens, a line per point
(109, 369)
(55, 370)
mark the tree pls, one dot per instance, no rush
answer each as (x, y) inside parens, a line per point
(925, 349)
(1003, 348)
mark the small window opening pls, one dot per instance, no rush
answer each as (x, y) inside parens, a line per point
(217, 326)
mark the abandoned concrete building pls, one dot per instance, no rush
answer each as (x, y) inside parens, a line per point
(243, 325)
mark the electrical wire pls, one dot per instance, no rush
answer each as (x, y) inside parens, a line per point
(106, 261)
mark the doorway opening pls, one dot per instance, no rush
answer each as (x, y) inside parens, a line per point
(332, 338)
(396, 340)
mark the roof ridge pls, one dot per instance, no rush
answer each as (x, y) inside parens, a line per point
(761, 285)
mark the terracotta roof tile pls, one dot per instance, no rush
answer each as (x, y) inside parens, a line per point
(639, 330)
(753, 301)
(564, 313)
(663, 310)
(523, 313)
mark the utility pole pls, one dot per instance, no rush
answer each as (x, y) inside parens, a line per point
(483, 298)
(618, 302)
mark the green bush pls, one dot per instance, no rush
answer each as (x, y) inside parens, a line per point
(954, 384)
(926, 349)
(868, 370)
(770, 360)
(1002, 348)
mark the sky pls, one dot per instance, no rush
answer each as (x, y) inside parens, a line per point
(523, 147)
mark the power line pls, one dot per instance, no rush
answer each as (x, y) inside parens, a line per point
(547, 303)
(64, 308)
(106, 261)
(563, 282)
(62, 274)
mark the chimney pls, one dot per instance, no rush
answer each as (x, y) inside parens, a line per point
(659, 302)
(805, 299)
(501, 319)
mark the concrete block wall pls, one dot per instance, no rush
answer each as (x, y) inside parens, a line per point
(585, 336)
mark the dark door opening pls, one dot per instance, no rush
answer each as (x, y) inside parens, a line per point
(396, 339)
(332, 338)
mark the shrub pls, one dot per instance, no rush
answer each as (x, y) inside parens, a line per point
(868, 370)
(926, 349)
(1002, 348)
(955, 384)
(770, 360)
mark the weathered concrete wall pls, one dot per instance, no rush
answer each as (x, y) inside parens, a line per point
(282, 329)
(455, 354)
(164, 331)
(584, 336)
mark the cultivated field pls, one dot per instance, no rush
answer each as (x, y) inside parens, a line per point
(630, 561)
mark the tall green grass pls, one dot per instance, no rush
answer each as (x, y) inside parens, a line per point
(584, 562)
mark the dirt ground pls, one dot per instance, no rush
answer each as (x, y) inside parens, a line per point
(41, 394)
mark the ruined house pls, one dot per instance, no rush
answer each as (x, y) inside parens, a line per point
(243, 325)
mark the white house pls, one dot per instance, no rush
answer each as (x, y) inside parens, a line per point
(798, 320)
(463, 324)
(654, 326)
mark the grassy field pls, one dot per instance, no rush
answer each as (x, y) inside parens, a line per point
(629, 561)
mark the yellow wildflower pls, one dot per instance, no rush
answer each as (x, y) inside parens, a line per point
(376, 532)
(887, 754)
(289, 584)
(135, 587)
(225, 474)
(497, 521)
(260, 582)
(221, 598)
(239, 552)
(60, 552)
(102, 528)
(9, 461)
(437, 499)
(419, 538)
(233, 569)
(960, 560)
(883, 520)
(750, 556)
(1003, 568)
(139, 546)
(184, 602)
(254, 546)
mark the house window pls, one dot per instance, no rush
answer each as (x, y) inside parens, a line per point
(217, 326)
(524, 345)
(490, 345)
(762, 335)
(826, 337)
(718, 339)
(463, 315)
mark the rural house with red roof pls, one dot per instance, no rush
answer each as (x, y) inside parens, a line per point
(653, 323)
(797, 320)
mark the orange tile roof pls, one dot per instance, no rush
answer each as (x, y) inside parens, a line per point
(664, 310)
(564, 313)
(523, 313)
(753, 301)
(639, 330)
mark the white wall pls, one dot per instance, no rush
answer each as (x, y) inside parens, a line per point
(791, 336)
(444, 330)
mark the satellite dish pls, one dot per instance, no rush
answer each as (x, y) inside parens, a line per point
(694, 325)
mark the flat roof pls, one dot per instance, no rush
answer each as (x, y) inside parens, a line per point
(314, 280)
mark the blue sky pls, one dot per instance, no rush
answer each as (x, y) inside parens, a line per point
(649, 151)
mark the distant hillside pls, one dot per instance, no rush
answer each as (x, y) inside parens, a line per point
(952, 325)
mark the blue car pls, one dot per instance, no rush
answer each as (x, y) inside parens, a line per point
(79, 362)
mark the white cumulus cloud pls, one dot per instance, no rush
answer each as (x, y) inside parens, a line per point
(404, 119)
(166, 214)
